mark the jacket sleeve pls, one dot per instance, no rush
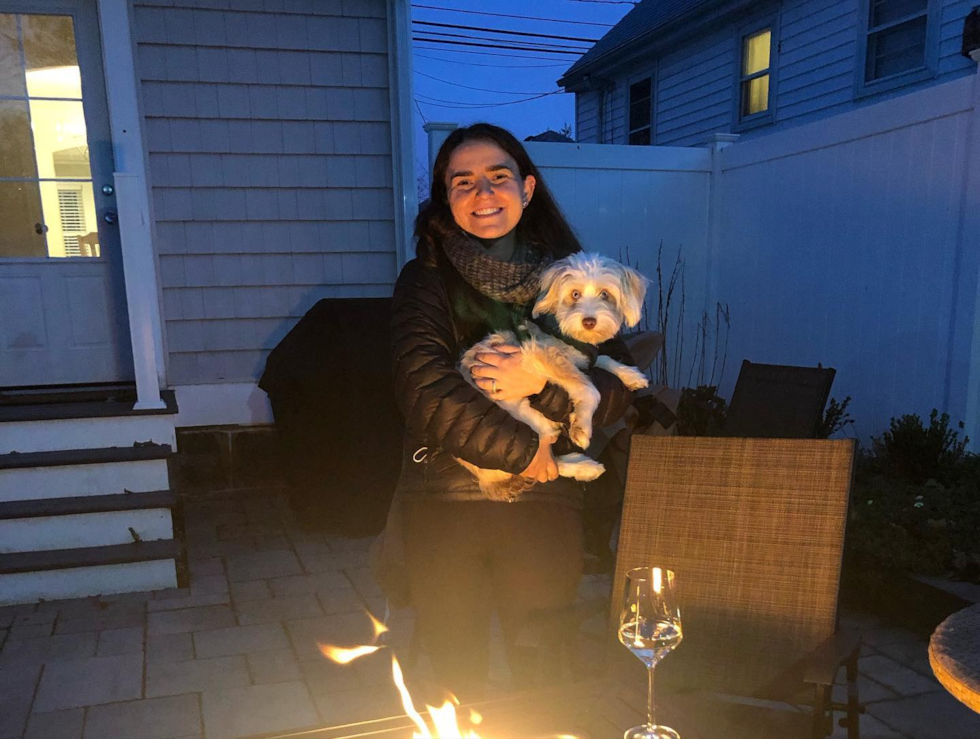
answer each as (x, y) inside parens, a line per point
(554, 403)
(439, 406)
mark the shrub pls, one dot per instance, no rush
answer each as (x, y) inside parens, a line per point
(915, 452)
(701, 411)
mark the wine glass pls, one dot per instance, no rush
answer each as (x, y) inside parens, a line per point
(650, 627)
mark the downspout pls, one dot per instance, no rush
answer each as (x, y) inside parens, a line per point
(968, 242)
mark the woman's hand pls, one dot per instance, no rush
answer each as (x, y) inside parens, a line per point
(502, 375)
(543, 467)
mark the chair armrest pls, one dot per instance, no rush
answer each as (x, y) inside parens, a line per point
(824, 661)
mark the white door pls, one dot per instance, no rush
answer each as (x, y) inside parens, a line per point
(62, 301)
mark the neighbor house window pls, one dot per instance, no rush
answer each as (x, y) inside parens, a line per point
(754, 79)
(641, 112)
(896, 37)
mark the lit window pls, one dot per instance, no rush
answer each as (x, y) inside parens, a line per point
(896, 40)
(754, 87)
(640, 113)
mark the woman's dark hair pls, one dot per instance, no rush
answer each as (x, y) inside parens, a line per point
(542, 225)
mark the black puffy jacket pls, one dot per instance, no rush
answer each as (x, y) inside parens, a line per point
(435, 317)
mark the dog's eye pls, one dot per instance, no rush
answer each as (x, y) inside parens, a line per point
(604, 295)
(576, 295)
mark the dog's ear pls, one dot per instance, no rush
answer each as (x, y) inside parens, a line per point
(551, 283)
(634, 292)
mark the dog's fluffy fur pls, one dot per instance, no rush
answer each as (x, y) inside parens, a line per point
(591, 297)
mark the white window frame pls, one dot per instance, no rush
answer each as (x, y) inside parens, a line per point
(864, 87)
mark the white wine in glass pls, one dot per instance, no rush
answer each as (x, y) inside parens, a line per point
(650, 627)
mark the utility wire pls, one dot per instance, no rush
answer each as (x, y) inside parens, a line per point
(490, 53)
(457, 104)
(470, 38)
(518, 17)
(479, 89)
(477, 64)
(495, 46)
(607, 2)
(504, 31)
(424, 119)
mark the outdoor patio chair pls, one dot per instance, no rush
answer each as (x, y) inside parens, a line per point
(754, 529)
(777, 401)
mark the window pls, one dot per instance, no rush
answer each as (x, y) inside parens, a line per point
(754, 76)
(896, 40)
(641, 100)
(896, 45)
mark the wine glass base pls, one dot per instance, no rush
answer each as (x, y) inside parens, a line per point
(651, 732)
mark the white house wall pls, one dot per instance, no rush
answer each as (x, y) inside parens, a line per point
(270, 164)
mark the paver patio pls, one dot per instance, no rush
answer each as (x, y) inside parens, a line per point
(235, 654)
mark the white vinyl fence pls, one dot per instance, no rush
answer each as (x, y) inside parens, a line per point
(853, 242)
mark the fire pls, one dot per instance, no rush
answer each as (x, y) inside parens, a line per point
(444, 721)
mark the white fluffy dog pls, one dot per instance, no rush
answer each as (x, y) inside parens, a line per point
(591, 297)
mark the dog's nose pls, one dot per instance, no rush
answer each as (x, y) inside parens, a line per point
(589, 323)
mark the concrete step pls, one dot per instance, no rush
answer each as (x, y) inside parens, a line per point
(83, 472)
(27, 577)
(71, 523)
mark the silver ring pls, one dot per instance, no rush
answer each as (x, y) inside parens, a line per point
(493, 387)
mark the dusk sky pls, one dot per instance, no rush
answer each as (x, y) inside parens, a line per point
(445, 72)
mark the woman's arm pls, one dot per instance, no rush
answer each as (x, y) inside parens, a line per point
(438, 404)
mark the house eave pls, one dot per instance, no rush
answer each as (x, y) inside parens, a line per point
(649, 43)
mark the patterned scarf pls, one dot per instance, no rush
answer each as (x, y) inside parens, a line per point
(506, 282)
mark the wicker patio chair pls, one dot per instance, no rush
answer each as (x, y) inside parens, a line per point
(754, 529)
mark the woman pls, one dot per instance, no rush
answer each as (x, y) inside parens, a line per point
(489, 229)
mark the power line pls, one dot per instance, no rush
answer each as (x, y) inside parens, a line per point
(495, 46)
(479, 89)
(465, 106)
(608, 2)
(424, 119)
(490, 53)
(477, 64)
(503, 31)
(518, 17)
(533, 45)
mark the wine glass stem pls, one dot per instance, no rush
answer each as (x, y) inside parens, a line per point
(651, 711)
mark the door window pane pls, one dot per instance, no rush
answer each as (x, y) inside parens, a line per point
(48, 197)
(20, 204)
(69, 217)
(16, 142)
(11, 70)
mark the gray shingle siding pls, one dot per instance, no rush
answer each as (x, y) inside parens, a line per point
(269, 141)
(814, 74)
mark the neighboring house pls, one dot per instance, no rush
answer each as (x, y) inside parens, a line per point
(550, 137)
(672, 72)
(180, 182)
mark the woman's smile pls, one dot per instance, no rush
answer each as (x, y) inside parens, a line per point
(486, 193)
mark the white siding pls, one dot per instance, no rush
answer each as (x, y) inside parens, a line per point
(814, 76)
(694, 90)
(270, 158)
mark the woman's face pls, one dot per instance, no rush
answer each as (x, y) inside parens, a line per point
(486, 193)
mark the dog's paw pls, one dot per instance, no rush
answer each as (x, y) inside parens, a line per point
(633, 378)
(579, 432)
(579, 467)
